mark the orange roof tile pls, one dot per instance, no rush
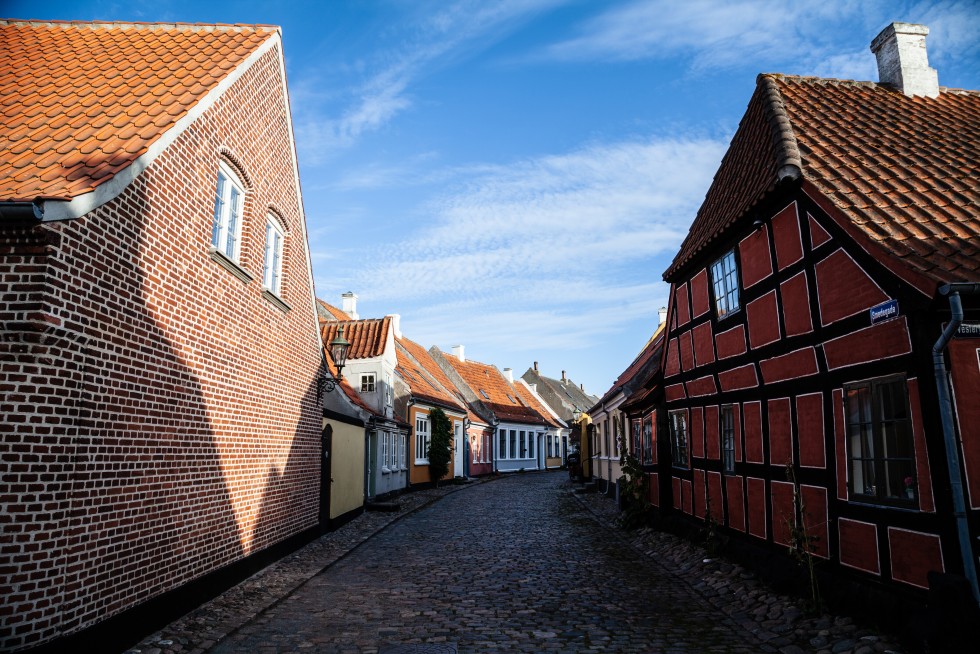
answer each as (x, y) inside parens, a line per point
(525, 395)
(491, 388)
(367, 337)
(422, 383)
(331, 310)
(902, 170)
(80, 101)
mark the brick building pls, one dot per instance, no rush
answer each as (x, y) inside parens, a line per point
(806, 358)
(159, 352)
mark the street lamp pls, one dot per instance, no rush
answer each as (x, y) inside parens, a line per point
(338, 352)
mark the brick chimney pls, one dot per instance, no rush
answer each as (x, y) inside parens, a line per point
(458, 353)
(902, 60)
(564, 379)
(509, 374)
(349, 304)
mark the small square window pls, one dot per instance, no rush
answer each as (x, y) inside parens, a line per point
(272, 267)
(226, 226)
(724, 281)
(367, 383)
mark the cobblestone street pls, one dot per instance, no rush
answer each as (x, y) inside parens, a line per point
(513, 565)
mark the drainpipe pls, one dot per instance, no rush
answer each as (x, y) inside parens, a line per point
(493, 442)
(949, 430)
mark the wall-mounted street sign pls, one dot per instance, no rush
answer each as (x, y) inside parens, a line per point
(967, 330)
(884, 311)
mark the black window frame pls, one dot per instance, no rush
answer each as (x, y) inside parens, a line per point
(679, 451)
(726, 434)
(871, 427)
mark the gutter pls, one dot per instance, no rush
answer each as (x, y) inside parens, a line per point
(22, 211)
(949, 429)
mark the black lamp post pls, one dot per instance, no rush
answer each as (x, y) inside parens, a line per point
(338, 352)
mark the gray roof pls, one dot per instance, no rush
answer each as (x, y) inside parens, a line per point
(564, 397)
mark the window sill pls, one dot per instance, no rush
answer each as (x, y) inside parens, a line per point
(421, 462)
(385, 470)
(230, 265)
(276, 300)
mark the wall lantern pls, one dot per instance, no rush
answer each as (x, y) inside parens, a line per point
(338, 352)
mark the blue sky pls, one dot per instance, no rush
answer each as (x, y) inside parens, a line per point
(515, 175)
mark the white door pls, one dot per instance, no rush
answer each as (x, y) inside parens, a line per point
(458, 449)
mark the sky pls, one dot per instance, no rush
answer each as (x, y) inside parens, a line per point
(515, 175)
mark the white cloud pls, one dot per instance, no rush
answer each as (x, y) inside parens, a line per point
(567, 248)
(438, 39)
(713, 33)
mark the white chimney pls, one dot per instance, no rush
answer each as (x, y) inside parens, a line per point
(349, 306)
(509, 374)
(662, 316)
(396, 324)
(902, 60)
(458, 353)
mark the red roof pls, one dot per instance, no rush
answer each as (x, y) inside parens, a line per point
(491, 388)
(525, 395)
(81, 101)
(424, 385)
(902, 171)
(367, 337)
(337, 314)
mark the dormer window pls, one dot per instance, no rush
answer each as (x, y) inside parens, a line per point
(226, 227)
(724, 280)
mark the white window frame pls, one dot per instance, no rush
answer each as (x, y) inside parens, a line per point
(403, 446)
(275, 237)
(385, 449)
(229, 204)
(368, 379)
(422, 436)
(724, 283)
(388, 395)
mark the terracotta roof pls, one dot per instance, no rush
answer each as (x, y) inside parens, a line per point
(491, 388)
(81, 101)
(327, 311)
(903, 171)
(367, 337)
(424, 385)
(525, 395)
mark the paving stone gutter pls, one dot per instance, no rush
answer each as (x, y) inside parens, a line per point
(777, 620)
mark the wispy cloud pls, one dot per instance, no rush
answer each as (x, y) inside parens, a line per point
(805, 37)
(436, 40)
(536, 242)
(712, 33)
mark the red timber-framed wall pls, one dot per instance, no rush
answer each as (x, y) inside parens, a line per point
(781, 362)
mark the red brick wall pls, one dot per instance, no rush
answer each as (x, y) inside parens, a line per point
(161, 416)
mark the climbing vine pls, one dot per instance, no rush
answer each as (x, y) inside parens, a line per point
(634, 490)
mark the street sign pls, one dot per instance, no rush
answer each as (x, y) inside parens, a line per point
(884, 311)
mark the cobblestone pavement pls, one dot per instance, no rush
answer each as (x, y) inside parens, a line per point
(494, 569)
(513, 566)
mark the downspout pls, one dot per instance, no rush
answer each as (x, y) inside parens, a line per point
(493, 441)
(949, 429)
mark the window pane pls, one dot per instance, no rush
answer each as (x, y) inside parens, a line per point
(219, 203)
(234, 208)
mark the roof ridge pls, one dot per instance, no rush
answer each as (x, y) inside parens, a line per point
(787, 149)
(136, 24)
